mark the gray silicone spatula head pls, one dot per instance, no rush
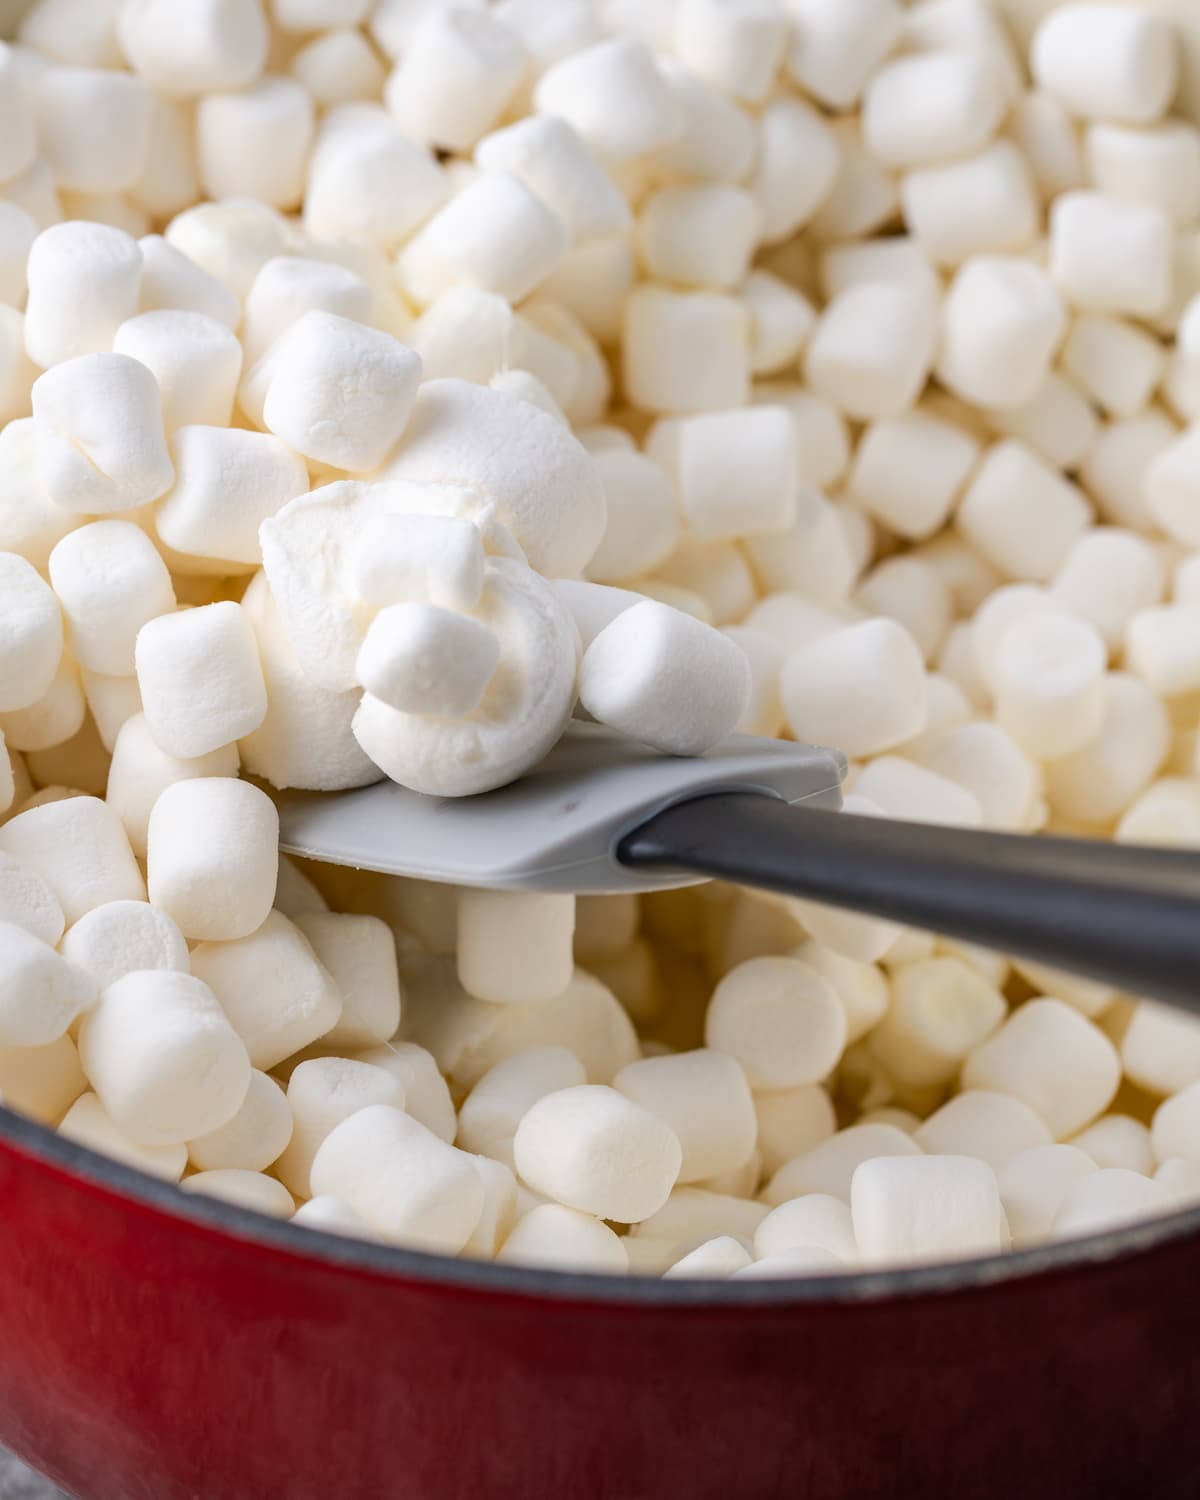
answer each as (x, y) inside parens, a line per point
(558, 827)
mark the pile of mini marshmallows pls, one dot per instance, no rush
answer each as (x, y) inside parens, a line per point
(382, 384)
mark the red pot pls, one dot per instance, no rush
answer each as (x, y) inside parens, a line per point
(158, 1346)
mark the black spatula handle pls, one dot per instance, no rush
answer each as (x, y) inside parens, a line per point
(1124, 914)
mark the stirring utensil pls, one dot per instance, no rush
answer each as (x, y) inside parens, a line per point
(603, 814)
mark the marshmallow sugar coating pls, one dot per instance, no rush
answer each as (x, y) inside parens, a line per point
(383, 386)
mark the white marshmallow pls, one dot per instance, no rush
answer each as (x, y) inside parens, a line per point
(371, 185)
(615, 96)
(360, 954)
(18, 127)
(100, 440)
(89, 1124)
(903, 789)
(699, 236)
(643, 516)
(860, 986)
(122, 937)
(278, 997)
(170, 280)
(666, 679)
(200, 679)
(813, 559)
(1117, 62)
(426, 659)
(1117, 365)
(1159, 166)
(592, 1149)
(31, 634)
(17, 234)
(1033, 1185)
(321, 1093)
(212, 44)
(212, 857)
(110, 582)
(562, 1238)
(863, 197)
(684, 351)
(230, 241)
(1058, 423)
(194, 358)
(912, 592)
(796, 169)
(253, 1138)
(872, 349)
(791, 1122)
(895, 258)
(986, 760)
(1020, 514)
(705, 1099)
(498, 1218)
(438, 559)
(318, 15)
(814, 1221)
(1181, 1178)
(932, 107)
(781, 321)
(1118, 1141)
(1160, 1050)
(406, 1183)
(1169, 488)
(1049, 141)
(93, 127)
(982, 1123)
(42, 994)
(514, 947)
(83, 284)
(1166, 813)
(494, 1108)
(42, 1082)
(79, 848)
(140, 771)
(55, 718)
(710, 581)
(337, 66)
(255, 143)
(718, 1258)
(810, 1260)
(550, 157)
(737, 472)
(912, 1209)
(1110, 1199)
(829, 1166)
(985, 203)
(289, 286)
(940, 1010)
(736, 47)
(1002, 322)
(1049, 683)
(780, 1018)
(333, 1215)
(763, 713)
(1107, 577)
(909, 470)
(27, 900)
(1176, 1127)
(454, 78)
(427, 1096)
(837, 44)
(494, 234)
(861, 688)
(1111, 255)
(252, 1190)
(163, 1059)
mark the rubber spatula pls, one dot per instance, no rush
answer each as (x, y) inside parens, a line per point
(604, 814)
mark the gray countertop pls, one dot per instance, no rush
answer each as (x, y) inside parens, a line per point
(19, 1483)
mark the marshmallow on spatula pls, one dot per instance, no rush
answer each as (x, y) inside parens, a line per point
(912, 1209)
(406, 1183)
(360, 953)
(31, 634)
(122, 937)
(200, 678)
(321, 1093)
(164, 1060)
(705, 1099)
(276, 993)
(40, 992)
(426, 659)
(110, 581)
(664, 678)
(83, 284)
(79, 847)
(592, 1149)
(434, 559)
(195, 359)
(212, 857)
(100, 439)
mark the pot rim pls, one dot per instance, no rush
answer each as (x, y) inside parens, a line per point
(114, 1179)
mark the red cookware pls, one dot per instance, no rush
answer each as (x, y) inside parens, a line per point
(160, 1346)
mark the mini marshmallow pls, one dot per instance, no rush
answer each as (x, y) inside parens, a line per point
(872, 349)
(895, 258)
(1002, 322)
(809, 1260)
(168, 182)
(705, 1099)
(910, 591)
(252, 1190)
(814, 1221)
(1159, 166)
(1047, 1054)
(120, 937)
(643, 516)
(837, 44)
(1107, 577)
(711, 581)
(1169, 488)
(1110, 1199)
(163, 1059)
(813, 558)
(1110, 254)
(592, 1149)
(685, 351)
(666, 679)
(89, 1124)
(1176, 1128)
(438, 559)
(100, 440)
(31, 634)
(427, 1096)
(212, 859)
(333, 1215)
(79, 848)
(514, 947)
(255, 143)
(829, 1166)
(1118, 1141)
(321, 1093)
(195, 360)
(494, 1108)
(763, 713)
(337, 66)
(1166, 813)
(360, 954)
(562, 1238)
(83, 284)
(699, 236)
(498, 1218)
(860, 987)
(27, 900)
(42, 994)
(940, 1011)
(781, 321)
(913, 1209)
(425, 659)
(986, 760)
(737, 472)
(981, 1123)
(200, 679)
(230, 241)
(1116, 62)
(277, 995)
(140, 771)
(615, 96)
(861, 688)
(371, 184)
(318, 15)
(1020, 514)
(551, 159)
(1049, 683)
(1114, 363)
(716, 1258)
(1160, 1050)
(253, 1138)
(1033, 1185)
(780, 1018)
(18, 126)
(406, 1183)
(962, 101)
(170, 280)
(211, 45)
(456, 74)
(909, 470)
(797, 167)
(17, 234)
(494, 234)
(110, 582)
(736, 47)
(55, 718)
(985, 203)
